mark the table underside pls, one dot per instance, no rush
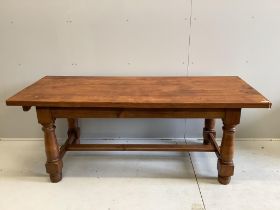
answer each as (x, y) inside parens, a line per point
(75, 113)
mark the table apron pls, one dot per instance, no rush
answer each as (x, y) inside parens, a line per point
(61, 112)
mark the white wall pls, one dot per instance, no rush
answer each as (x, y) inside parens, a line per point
(139, 37)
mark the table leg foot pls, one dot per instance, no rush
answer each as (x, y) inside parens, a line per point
(54, 169)
(225, 171)
(224, 180)
(55, 177)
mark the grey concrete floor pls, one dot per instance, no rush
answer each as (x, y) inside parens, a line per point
(139, 180)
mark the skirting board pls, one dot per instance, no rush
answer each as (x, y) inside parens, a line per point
(138, 139)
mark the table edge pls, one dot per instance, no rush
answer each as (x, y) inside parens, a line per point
(266, 104)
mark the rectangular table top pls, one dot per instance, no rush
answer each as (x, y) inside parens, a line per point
(140, 92)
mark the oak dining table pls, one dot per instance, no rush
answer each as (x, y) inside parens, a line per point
(74, 97)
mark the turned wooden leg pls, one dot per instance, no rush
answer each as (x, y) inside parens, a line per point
(74, 128)
(54, 163)
(225, 162)
(209, 126)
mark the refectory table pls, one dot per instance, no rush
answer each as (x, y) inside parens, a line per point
(74, 97)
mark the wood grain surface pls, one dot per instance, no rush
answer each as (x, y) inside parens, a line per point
(140, 92)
